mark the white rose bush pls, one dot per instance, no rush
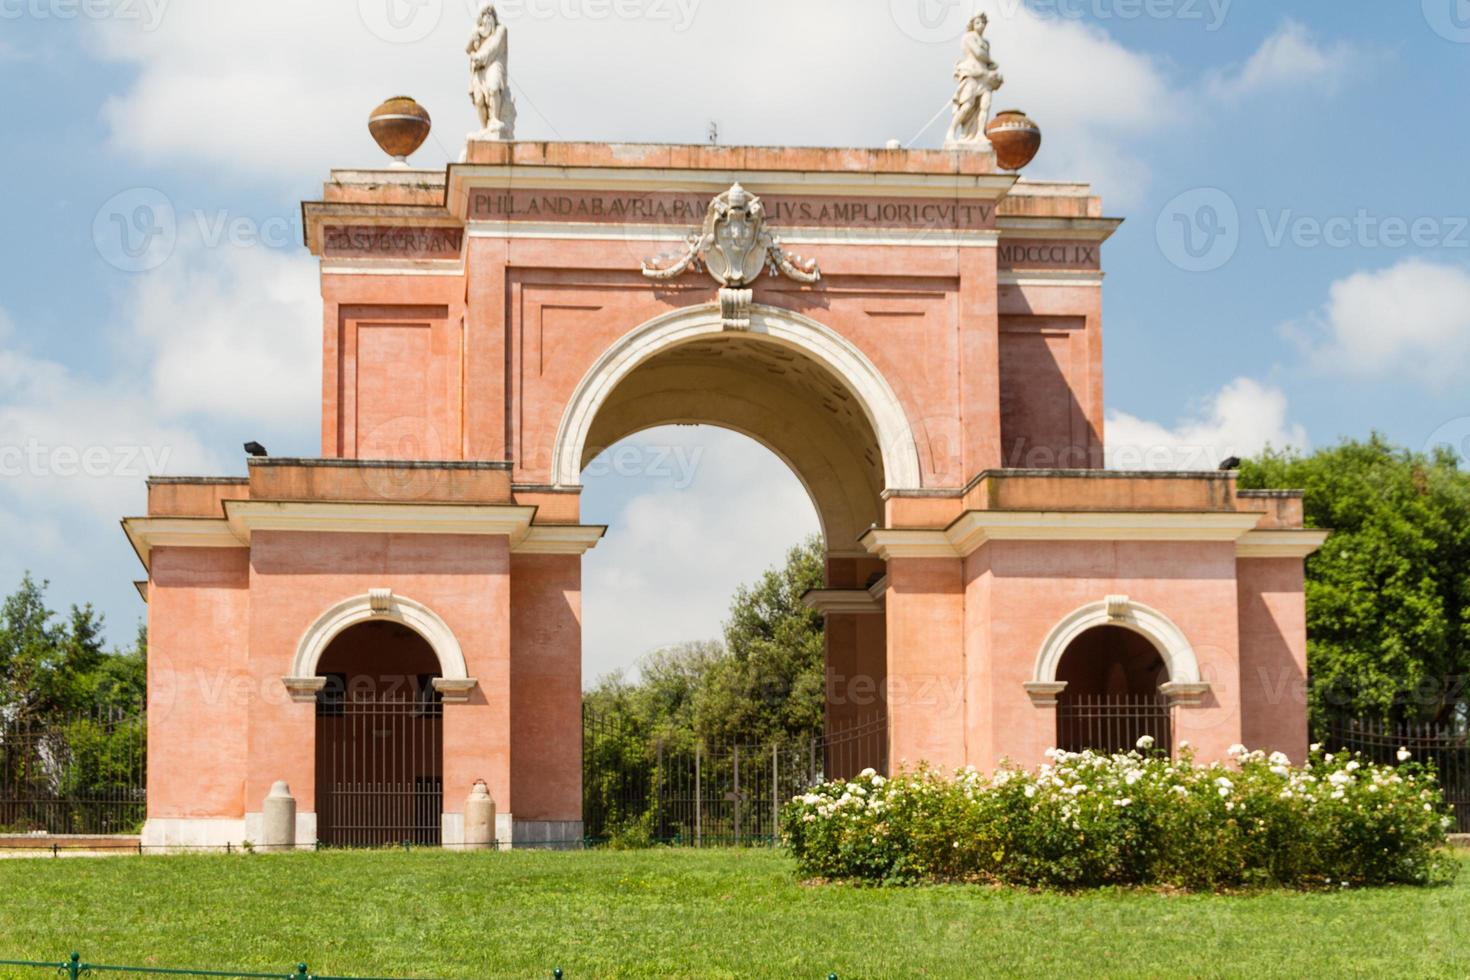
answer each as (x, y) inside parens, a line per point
(1088, 820)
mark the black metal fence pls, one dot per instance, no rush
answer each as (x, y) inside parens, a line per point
(1113, 723)
(82, 775)
(642, 789)
(1446, 747)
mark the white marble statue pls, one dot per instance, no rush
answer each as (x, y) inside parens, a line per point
(489, 51)
(979, 77)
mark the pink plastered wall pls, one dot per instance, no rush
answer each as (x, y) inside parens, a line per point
(546, 686)
(296, 577)
(198, 682)
(1019, 591)
(1273, 655)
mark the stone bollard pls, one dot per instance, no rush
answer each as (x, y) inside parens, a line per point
(479, 819)
(279, 819)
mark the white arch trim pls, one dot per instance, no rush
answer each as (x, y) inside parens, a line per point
(883, 409)
(379, 605)
(1149, 623)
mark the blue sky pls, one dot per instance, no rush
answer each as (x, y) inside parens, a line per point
(1314, 152)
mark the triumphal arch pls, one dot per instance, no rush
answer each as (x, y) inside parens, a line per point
(917, 333)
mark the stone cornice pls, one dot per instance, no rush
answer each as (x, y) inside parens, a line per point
(244, 517)
(560, 539)
(146, 533)
(974, 528)
(858, 602)
(248, 516)
(1286, 543)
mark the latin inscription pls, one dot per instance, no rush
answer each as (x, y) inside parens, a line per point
(689, 209)
(1033, 254)
(358, 241)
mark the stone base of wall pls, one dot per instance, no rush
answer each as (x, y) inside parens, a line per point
(559, 835)
(205, 833)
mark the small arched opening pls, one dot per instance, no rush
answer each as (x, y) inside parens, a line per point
(1112, 698)
(379, 738)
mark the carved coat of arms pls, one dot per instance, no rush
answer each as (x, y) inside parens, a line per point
(734, 246)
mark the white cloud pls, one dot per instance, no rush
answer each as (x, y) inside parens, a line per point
(71, 441)
(232, 332)
(1410, 321)
(1241, 419)
(673, 558)
(75, 453)
(274, 89)
(1291, 57)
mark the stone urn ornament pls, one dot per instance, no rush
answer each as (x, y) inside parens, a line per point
(400, 126)
(1015, 138)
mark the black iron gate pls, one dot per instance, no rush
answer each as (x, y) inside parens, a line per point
(379, 770)
(1445, 747)
(1113, 723)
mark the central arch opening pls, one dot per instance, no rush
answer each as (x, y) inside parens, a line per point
(379, 739)
(759, 444)
(778, 396)
(1112, 698)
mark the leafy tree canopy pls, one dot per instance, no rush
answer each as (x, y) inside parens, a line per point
(51, 667)
(1388, 597)
(765, 682)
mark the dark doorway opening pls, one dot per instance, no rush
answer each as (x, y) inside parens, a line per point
(1112, 698)
(379, 740)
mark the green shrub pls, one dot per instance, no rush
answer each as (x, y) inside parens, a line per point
(1140, 818)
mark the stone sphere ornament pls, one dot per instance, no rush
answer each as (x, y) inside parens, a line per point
(400, 126)
(1015, 138)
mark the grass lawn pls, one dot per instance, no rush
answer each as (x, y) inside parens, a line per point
(686, 914)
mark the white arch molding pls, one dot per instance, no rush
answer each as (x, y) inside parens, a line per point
(379, 605)
(848, 364)
(1184, 685)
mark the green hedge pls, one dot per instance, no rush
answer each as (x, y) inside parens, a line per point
(1141, 818)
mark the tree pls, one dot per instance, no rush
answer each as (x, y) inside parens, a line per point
(50, 668)
(771, 684)
(766, 682)
(1388, 597)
